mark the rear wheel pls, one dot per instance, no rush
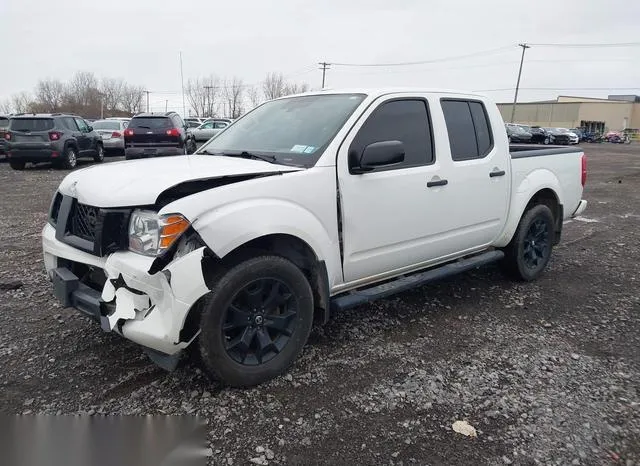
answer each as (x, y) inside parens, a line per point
(256, 322)
(547, 140)
(70, 159)
(16, 165)
(529, 251)
(99, 157)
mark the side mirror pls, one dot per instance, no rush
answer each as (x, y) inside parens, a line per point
(89, 129)
(377, 155)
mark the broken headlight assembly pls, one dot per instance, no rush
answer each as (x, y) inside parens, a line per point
(151, 234)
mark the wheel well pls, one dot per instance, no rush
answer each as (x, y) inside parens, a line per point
(549, 198)
(287, 246)
(71, 144)
(298, 252)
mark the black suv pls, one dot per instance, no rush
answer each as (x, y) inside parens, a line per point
(51, 137)
(156, 135)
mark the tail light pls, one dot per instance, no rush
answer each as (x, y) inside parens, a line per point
(54, 135)
(116, 134)
(175, 132)
(584, 170)
(128, 132)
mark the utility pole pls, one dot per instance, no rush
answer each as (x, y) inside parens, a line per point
(184, 107)
(515, 97)
(324, 66)
(208, 88)
(147, 92)
(102, 108)
(166, 105)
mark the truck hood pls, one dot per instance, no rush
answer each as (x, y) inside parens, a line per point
(140, 182)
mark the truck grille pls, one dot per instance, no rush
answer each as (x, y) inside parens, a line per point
(84, 220)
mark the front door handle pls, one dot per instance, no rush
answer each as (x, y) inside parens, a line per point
(431, 184)
(495, 173)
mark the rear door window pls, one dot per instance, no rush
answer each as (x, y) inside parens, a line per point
(82, 125)
(31, 124)
(70, 123)
(468, 127)
(150, 123)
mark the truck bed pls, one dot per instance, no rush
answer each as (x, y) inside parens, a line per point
(519, 151)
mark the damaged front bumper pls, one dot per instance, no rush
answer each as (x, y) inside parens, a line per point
(148, 309)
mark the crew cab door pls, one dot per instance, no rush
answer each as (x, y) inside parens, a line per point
(390, 217)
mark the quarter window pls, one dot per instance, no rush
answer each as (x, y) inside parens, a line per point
(406, 121)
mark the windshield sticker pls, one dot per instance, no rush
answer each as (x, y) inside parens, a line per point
(298, 148)
(310, 150)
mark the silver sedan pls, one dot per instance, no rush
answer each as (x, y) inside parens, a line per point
(209, 129)
(112, 133)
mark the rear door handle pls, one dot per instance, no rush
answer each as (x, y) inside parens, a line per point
(431, 184)
(493, 174)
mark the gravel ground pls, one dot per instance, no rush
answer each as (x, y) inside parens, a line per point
(546, 372)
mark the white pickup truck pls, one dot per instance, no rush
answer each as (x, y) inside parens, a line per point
(306, 205)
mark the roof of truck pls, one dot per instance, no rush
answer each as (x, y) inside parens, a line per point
(377, 92)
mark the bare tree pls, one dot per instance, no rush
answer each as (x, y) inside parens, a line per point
(131, 98)
(233, 97)
(6, 107)
(295, 88)
(273, 86)
(203, 95)
(83, 93)
(21, 102)
(255, 98)
(50, 94)
(111, 91)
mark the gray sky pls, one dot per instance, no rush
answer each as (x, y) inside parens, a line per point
(140, 41)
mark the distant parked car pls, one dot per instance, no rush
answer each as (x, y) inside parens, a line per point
(112, 133)
(578, 132)
(57, 138)
(558, 136)
(538, 134)
(157, 135)
(209, 129)
(4, 124)
(194, 122)
(515, 133)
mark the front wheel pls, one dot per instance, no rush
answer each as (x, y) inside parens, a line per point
(529, 251)
(256, 322)
(547, 141)
(191, 146)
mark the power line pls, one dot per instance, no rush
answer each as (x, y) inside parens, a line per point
(435, 60)
(616, 44)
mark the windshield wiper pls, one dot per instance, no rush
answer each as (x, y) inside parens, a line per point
(244, 154)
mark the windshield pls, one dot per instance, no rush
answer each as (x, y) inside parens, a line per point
(294, 130)
(106, 124)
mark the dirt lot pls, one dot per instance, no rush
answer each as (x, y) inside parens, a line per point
(547, 372)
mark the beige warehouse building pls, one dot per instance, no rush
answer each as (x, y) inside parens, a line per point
(615, 113)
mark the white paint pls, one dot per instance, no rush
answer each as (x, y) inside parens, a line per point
(586, 220)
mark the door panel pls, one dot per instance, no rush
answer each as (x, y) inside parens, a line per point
(390, 218)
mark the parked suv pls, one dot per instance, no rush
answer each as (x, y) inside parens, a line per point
(51, 137)
(4, 124)
(157, 134)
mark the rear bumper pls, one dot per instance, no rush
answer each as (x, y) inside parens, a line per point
(582, 205)
(32, 155)
(139, 152)
(113, 143)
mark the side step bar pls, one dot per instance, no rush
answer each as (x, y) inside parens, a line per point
(406, 282)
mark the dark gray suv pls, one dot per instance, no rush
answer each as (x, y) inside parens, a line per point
(51, 137)
(157, 135)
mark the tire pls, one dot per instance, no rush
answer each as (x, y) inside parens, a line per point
(191, 146)
(70, 159)
(529, 251)
(283, 290)
(16, 165)
(99, 157)
(547, 141)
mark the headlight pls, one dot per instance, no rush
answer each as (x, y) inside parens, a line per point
(151, 234)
